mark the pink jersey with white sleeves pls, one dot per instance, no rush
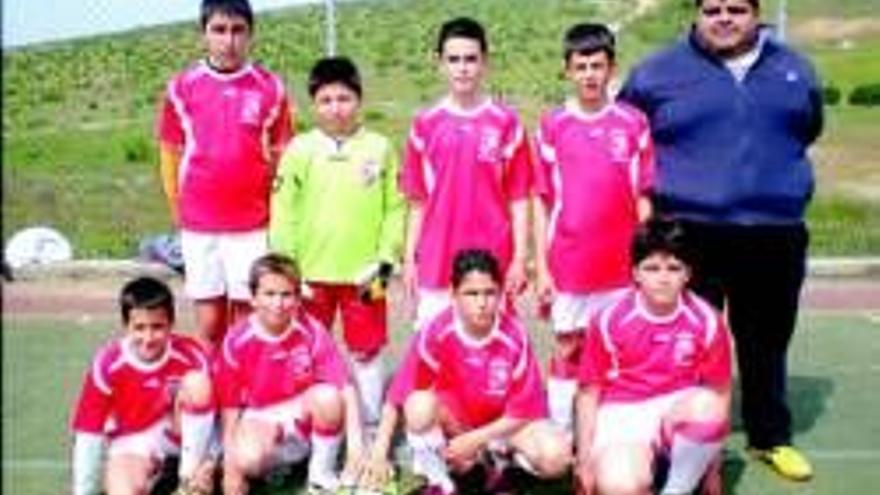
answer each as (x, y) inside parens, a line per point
(464, 168)
(632, 355)
(258, 369)
(592, 168)
(478, 380)
(123, 394)
(226, 125)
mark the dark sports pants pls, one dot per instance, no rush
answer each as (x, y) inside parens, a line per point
(757, 272)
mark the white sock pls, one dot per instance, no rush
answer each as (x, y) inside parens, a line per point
(688, 461)
(560, 398)
(196, 430)
(322, 463)
(370, 384)
(88, 458)
(428, 459)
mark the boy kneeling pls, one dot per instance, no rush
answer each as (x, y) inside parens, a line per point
(469, 384)
(655, 379)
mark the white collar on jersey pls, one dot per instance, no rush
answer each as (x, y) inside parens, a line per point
(572, 107)
(455, 109)
(224, 76)
(471, 341)
(336, 144)
(262, 333)
(133, 359)
(646, 313)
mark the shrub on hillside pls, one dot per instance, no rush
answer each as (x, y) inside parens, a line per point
(831, 94)
(867, 95)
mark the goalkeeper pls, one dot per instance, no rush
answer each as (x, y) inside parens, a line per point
(336, 209)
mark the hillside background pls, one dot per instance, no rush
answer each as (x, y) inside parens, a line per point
(78, 144)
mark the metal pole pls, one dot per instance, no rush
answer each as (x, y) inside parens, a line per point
(781, 19)
(330, 34)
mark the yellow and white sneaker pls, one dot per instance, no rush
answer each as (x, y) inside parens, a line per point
(786, 460)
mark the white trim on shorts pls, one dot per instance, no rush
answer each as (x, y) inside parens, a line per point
(571, 312)
(295, 445)
(154, 442)
(219, 263)
(431, 302)
(636, 422)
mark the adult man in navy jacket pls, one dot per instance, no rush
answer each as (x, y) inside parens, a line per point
(733, 112)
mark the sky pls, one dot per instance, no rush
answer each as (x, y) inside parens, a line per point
(32, 21)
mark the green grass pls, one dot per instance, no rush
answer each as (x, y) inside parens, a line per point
(78, 148)
(833, 370)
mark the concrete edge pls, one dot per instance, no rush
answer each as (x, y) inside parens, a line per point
(824, 267)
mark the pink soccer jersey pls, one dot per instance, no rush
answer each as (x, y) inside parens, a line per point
(122, 394)
(258, 369)
(479, 381)
(226, 125)
(464, 168)
(632, 355)
(592, 168)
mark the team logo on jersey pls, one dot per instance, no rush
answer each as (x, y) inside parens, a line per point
(618, 145)
(299, 362)
(490, 146)
(250, 107)
(684, 350)
(499, 376)
(369, 171)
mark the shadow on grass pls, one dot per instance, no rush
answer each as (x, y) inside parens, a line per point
(807, 399)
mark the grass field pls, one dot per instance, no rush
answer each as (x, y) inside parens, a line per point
(77, 138)
(833, 376)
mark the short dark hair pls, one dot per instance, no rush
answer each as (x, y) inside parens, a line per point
(474, 260)
(145, 293)
(661, 235)
(232, 8)
(754, 3)
(331, 70)
(278, 264)
(587, 39)
(462, 27)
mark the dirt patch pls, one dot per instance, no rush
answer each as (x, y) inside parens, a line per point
(835, 30)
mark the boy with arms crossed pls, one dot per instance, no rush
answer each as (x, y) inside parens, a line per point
(336, 210)
(469, 383)
(466, 175)
(655, 379)
(593, 180)
(146, 396)
(222, 126)
(283, 387)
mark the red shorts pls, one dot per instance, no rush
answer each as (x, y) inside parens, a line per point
(364, 324)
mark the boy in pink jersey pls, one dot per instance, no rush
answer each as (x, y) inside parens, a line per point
(593, 179)
(147, 396)
(283, 387)
(466, 175)
(223, 123)
(655, 379)
(469, 382)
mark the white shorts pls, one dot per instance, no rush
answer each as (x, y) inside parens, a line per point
(572, 312)
(634, 422)
(432, 302)
(289, 417)
(156, 442)
(219, 264)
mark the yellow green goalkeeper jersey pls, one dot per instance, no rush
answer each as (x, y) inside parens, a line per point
(336, 207)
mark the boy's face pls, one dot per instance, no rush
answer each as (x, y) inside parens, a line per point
(590, 75)
(464, 66)
(227, 40)
(149, 331)
(476, 300)
(336, 108)
(275, 301)
(661, 279)
(728, 27)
